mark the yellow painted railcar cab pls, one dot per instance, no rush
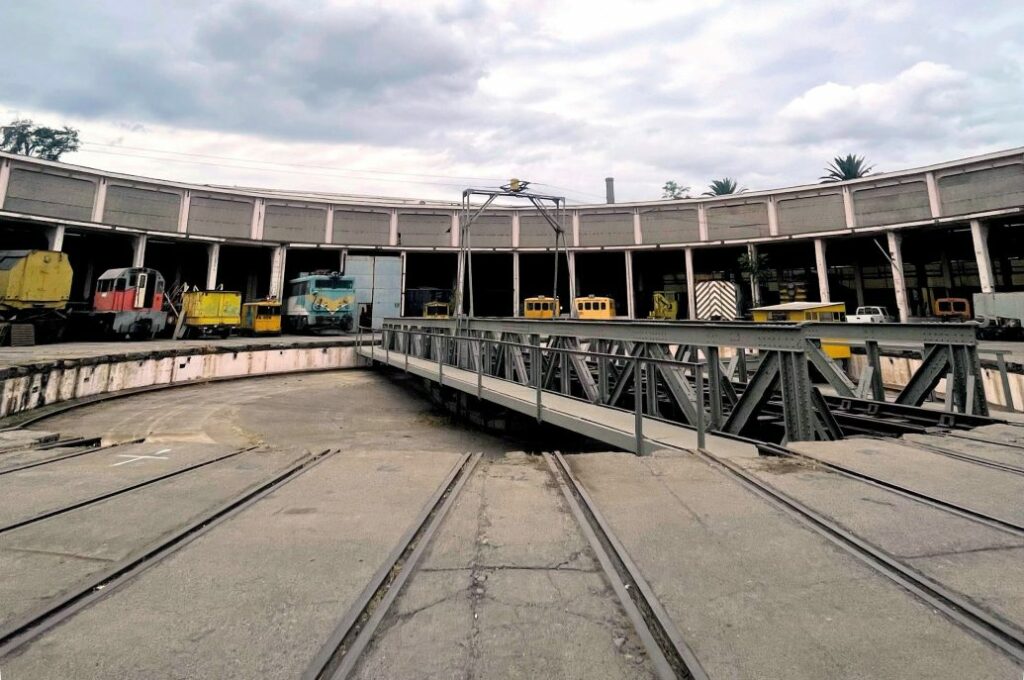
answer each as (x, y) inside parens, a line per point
(540, 307)
(262, 317)
(795, 312)
(436, 310)
(592, 307)
(34, 279)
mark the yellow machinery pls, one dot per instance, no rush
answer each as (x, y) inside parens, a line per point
(33, 280)
(541, 307)
(210, 312)
(666, 305)
(808, 311)
(436, 310)
(262, 317)
(952, 309)
(592, 307)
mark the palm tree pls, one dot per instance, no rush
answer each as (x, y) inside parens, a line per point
(723, 187)
(754, 266)
(850, 167)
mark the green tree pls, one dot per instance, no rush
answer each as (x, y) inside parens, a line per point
(22, 137)
(754, 269)
(843, 168)
(723, 187)
(672, 190)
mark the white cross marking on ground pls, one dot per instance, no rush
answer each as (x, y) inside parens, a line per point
(131, 458)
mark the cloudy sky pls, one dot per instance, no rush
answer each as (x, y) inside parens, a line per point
(422, 99)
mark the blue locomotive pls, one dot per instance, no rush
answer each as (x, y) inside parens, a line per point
(320, 301)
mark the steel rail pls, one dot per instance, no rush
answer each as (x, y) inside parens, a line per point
(61, 443)
(33, 624)
(986, 440)
(340, 653)
(966, 513)
(117, 492)
(999, 632)
(73, 454)
(668, 651)
(966, 457)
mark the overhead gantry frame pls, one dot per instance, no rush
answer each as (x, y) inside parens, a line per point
(551, 208)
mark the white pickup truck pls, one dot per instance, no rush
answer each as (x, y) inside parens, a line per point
(869, 315)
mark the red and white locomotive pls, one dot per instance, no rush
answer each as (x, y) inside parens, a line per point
(129, 302)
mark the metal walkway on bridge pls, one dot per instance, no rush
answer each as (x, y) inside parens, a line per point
(638, 385)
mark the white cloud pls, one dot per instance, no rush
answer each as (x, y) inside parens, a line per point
(559, 91)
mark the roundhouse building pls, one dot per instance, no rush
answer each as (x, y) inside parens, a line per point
(898, 239)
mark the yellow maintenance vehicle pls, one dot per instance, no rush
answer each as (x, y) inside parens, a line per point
(665, 305)
(34, 289)
(592, 307)
(262, 317)
(541, 307)
(808, 311)
(209, 312)
(436, 310)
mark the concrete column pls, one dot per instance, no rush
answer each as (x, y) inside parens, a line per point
(702, 222)
(630, 302)
(186, 201)
(100, 201)
(947, 272)
(401, 310)
(898, 281)
(979, 234)
(212, 262)
(455, 230)
(277, 263)
(393, 229)
(87, 286)
(343, 261)
(575, 229)
(139, 251)
(259, 208)
(773, 216)
(691, 286)
(515, 230)
(638, 237)
(329, 225)
(5, 178)
(822, 266)
(851, 216)
(858, 283)
(515, 284)
(934, 204)
(570, 257)
(55, 237)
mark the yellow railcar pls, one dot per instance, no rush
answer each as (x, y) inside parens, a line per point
(436, 310)
(262, 317)
(34, 280)
(541, 307)
(808, 311)
(213, 312)
(592, 307)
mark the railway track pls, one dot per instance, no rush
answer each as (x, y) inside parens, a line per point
(669, 655)
(65, 456)
(34, 623)
(996, 630)
(18, 524)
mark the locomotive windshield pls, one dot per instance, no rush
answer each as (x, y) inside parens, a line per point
(333, 284)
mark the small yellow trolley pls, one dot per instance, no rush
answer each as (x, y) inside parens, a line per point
(808, 311)
(262, 317)
(541, 307)
(592, 307)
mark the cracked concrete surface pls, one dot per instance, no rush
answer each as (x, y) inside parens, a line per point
(508, 589)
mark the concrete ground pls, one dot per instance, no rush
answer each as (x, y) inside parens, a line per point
(508, 589)
(756, 595)
(996, 493)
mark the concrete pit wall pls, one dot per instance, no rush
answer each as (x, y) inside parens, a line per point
(25, 388)
(897, 370)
